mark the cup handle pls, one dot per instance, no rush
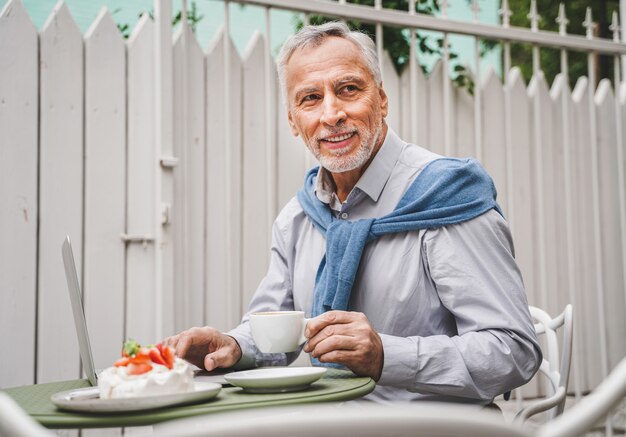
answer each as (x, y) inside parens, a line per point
(302, 338)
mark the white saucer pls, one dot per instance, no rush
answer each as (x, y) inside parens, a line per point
(88, 399)
(275, 379)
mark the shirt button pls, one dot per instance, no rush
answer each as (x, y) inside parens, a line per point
(344, 215)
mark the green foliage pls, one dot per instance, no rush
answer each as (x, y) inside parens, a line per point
(521, 54)
(396, 41)
(193, 18)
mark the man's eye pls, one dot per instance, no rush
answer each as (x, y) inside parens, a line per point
(350, 89)
(310, 98)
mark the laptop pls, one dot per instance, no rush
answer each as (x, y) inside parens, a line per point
(73, 286)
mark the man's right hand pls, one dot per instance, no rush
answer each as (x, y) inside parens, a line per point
(205, 347)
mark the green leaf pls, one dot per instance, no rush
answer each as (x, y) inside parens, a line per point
(131, 347)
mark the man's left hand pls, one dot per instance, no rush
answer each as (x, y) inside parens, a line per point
(346, 338)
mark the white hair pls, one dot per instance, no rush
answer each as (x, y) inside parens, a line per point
(314, 36)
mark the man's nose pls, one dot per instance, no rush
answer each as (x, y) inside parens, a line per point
(332, 111)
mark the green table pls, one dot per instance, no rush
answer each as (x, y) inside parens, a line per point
(336, 385)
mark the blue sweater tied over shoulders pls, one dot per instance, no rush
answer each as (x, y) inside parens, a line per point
(446, 192)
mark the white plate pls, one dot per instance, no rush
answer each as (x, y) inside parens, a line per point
(275, 379)
(88, 399)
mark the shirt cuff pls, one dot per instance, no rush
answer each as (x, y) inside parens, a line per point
(248, 350)
(400, 361)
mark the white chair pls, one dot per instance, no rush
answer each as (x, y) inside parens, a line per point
(14, 422)
(417, 419)
(581, 417)
(556, 362)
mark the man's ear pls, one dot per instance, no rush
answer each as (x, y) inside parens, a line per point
(294, 129)
(384, 102)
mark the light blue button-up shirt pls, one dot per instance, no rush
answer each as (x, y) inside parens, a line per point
(448, 303)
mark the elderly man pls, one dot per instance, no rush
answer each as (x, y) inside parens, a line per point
(401, 256)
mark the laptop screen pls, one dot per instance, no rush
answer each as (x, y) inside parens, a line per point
(73, 287)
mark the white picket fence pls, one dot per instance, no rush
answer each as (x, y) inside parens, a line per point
(166, 163)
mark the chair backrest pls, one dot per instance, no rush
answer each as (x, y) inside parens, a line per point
(580, 418)
(556, 361)
(14, 422)
(361, 419)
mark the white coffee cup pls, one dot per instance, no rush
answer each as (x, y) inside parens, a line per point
(278, 331)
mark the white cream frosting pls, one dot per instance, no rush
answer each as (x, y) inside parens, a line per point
(115, 382)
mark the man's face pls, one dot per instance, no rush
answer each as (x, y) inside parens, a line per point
(334, 104)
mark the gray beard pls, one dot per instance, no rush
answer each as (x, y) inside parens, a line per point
(341, 164)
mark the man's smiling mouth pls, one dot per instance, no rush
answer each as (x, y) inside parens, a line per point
(339, 138)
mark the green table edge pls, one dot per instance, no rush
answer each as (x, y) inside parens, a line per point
(360, 386)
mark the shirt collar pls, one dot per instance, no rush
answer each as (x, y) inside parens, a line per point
(375, 177)
(324, 186)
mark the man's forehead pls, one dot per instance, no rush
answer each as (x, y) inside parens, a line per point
(329, 48)
(331, 60)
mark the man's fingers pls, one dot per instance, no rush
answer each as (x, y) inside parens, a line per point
(330, 318)
(223, 357)
(209, 363)
(327, 332)
(338, 356)
(170, 341)
(182, 346)
(333, 343)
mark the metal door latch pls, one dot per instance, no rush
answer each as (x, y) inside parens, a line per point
(143, 239)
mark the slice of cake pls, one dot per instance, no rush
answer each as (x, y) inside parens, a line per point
(145, 371)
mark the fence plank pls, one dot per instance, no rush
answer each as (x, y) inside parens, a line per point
(569, 292)
(560, 296)
(404, 104)
(18, 193)
(391, 85)
(436, 106)
(522, 224)
(180, 208)
(196, 194)
(586, 313)
(105, 187)
(463, 130)
(292, 158)
(223, 293)
(543, 188)
(140, 214)
(255, 205)
(164, 139)
(216, 312)
(621, 96)
(493, 135)
(189, 146)
(610, 223)
(60, 189)
(423, 116)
